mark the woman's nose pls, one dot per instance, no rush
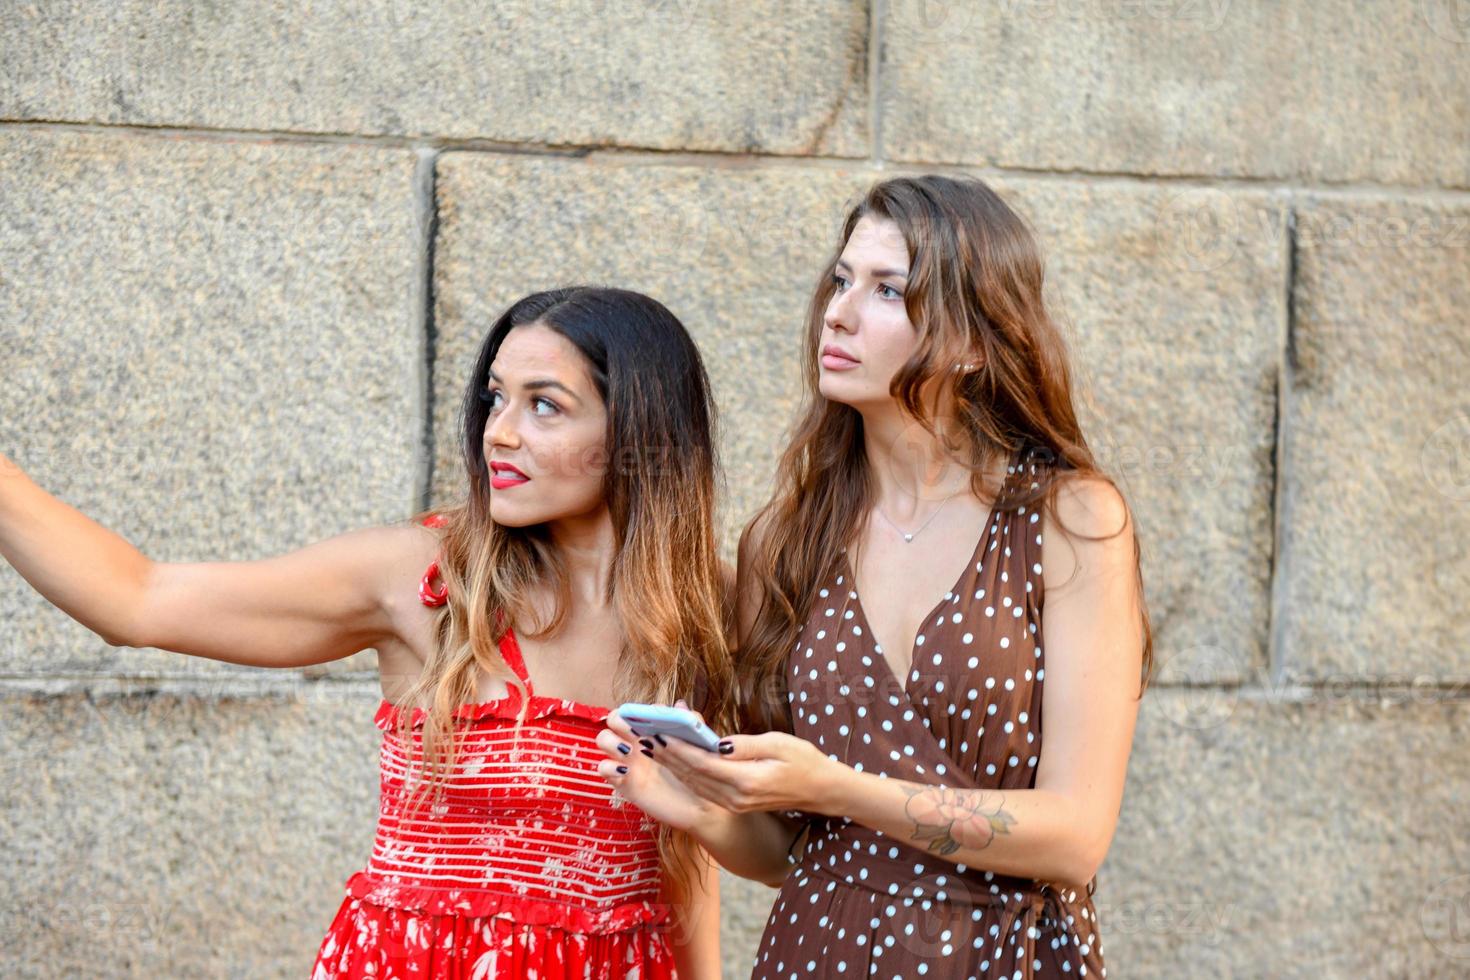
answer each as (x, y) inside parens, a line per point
(839, 315)
(500, 430)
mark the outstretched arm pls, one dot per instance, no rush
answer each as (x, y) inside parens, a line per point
(323, 602)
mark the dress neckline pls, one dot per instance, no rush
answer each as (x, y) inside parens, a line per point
(510, 649)
(861, 613)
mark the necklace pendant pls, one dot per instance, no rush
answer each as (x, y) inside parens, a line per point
(908, 537)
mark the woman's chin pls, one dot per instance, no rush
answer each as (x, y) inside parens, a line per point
(508, 514)
(516, 513)
(835, 388)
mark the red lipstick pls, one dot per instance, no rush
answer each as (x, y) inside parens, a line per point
(504, 475)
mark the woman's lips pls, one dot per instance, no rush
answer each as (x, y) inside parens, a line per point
(832, 360)
(503, 476)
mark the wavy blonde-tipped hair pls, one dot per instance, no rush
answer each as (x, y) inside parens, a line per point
(661, 488)
(974, 293)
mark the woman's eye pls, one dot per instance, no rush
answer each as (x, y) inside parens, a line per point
(891, 294)
(839, 282)
(550, 406)
(490, 396)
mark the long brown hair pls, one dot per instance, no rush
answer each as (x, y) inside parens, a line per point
(974, 293)
(660, 488)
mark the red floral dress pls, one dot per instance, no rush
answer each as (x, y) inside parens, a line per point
(531, 867)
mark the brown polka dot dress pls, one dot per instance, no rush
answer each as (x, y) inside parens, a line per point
(861, 903)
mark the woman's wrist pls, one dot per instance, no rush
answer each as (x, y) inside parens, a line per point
(831, 789)
(714, 827)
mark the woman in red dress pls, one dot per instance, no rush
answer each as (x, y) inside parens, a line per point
(579, 572)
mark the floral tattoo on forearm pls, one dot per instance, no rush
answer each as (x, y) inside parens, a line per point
(947, 819)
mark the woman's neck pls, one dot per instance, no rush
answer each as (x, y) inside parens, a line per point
(911, 469)
(585, 544)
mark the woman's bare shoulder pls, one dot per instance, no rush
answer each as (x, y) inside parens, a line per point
(405, 551)
(1090, 527)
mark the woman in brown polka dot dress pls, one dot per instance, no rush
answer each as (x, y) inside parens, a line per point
(968, 714)
(901, 794)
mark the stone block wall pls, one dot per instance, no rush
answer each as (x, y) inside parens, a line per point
(246, 251)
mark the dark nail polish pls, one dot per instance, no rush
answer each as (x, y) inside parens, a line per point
(660, 740)
(726, 748)
(646, 752)
(622, 770)
(645, 743)
(623, 748)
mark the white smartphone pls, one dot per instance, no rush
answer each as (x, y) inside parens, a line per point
(661, 719)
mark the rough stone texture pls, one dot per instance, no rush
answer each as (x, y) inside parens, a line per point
(211, 348)
(734, 253)
(1173, 306)
(668, 74)
(1261, 837)
(744, 907)
(1329, 91)
(1378, 443)
(181, 837)
(262, 300)
(234, 824)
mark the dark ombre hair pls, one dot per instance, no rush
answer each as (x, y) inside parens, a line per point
(974, 293)
(660, 488)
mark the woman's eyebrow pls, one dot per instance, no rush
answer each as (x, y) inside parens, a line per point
(877, 273)
(541, 383)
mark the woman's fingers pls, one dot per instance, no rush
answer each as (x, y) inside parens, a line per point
(715, 790)
(726, 779)
(747, 773)
(613, 772)
(704, 773)
(678, 755)
(620, 727)
(681, 703)
(615, 747)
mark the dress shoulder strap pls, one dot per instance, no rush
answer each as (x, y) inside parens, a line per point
(429, 595)
(510, 650)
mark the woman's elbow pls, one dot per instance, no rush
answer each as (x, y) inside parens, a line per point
(1087, 857)
(774, 881)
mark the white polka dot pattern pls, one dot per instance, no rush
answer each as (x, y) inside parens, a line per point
(967, 715)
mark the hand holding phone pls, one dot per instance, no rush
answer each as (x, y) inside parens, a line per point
(661, 719)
